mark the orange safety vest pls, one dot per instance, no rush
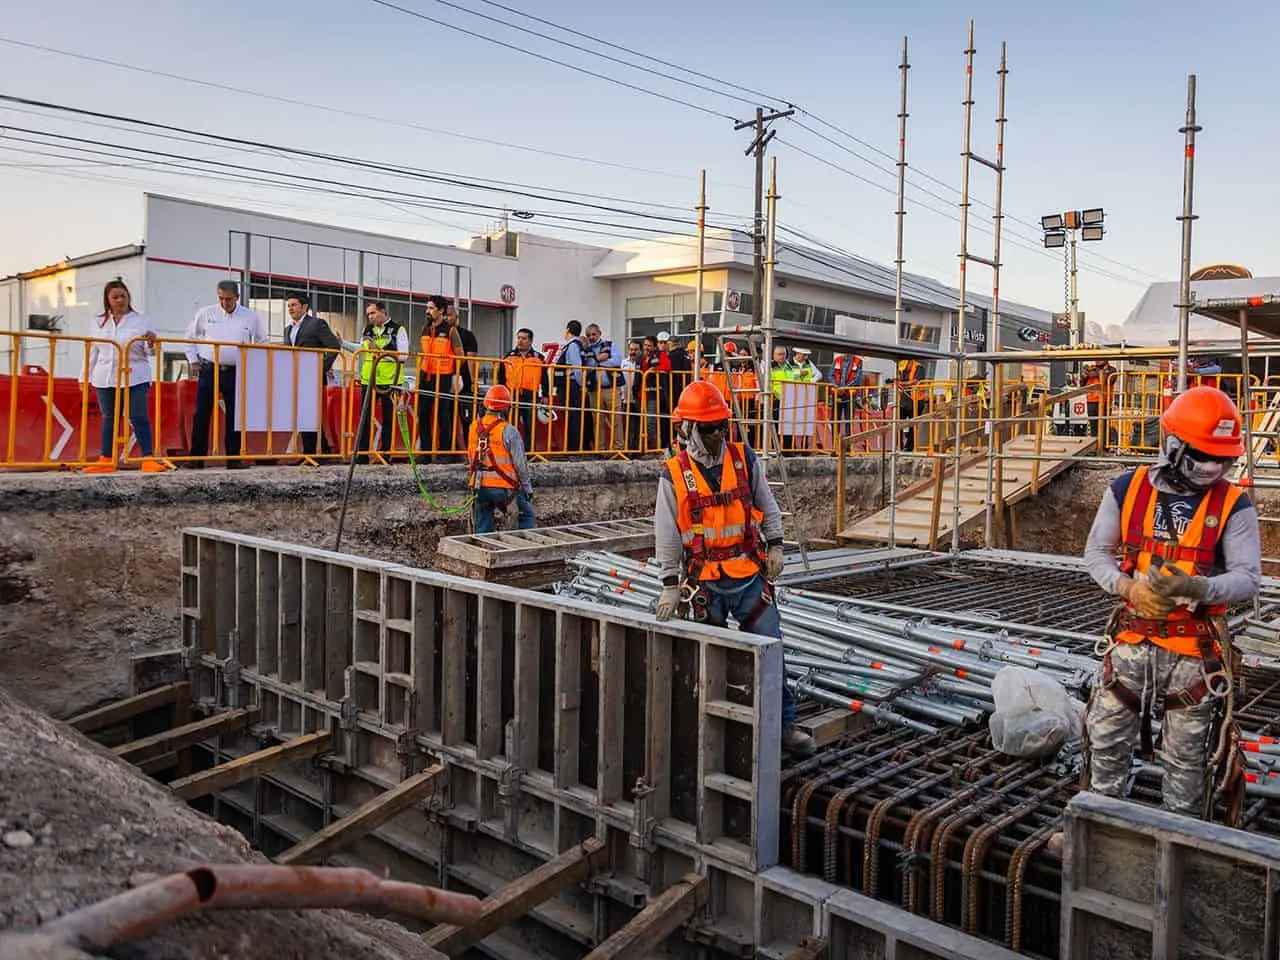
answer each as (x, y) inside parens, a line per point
(720, 380)
(719, 528)
(523, 373)
(1182, 632)
(437, 355)
(491, 463)
(1093, 379)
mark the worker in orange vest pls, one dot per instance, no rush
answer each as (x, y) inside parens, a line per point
(1190, 548)
(718, 529)
(1098, 376)
(442, 351)
(499, 471)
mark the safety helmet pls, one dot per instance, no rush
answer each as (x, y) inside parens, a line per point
(730, 347)
(701, 402)
(1206, 419)
(802, 351)
(545, 414)
(662, 336)
(497, 398)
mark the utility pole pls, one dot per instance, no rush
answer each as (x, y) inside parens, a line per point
(758, 145)
(1189, 131)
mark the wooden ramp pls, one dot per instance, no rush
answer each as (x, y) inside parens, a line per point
(915, 503)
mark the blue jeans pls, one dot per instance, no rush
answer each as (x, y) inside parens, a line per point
(739, 599)
(137, 412)
(489, 498)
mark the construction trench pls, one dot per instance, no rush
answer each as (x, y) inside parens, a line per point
(609, 782)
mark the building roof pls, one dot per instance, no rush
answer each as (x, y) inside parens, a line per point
(1154, 320)
(88, 260)
(733, 248)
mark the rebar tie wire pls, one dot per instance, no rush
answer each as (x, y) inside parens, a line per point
(136, 913)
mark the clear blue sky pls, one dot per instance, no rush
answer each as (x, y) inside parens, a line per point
(1095, 97)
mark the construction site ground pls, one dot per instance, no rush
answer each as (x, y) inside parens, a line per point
(89, 572)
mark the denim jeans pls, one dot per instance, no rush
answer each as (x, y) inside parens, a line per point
(738, 599)
(490, 497)
(136, 410)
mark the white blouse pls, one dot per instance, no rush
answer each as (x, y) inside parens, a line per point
(103, 359)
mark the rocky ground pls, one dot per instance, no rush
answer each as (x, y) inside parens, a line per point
(76, 824)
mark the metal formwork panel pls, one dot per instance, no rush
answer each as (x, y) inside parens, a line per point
(557, 719)
(1141, 882)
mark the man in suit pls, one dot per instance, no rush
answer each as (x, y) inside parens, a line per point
(311, 332)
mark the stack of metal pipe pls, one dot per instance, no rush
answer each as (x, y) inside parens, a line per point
(869, 657)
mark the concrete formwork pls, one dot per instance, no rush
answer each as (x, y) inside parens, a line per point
(554, 721)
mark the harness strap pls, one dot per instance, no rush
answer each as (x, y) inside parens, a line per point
(1197, 626)
(763, 603)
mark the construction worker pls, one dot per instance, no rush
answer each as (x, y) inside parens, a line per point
(805, 370)
(1098, 377)
(437, 393)
(382, 349)
(719, 530)
(499, 471)
(523, 371)
(913, 400)
(1189, 546)
(846, 377)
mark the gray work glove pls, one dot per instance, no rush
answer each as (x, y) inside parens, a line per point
(1144, 599)
(668, 600)
(773, 563)
(1170, 582)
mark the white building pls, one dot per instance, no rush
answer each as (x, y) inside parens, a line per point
(502, 282)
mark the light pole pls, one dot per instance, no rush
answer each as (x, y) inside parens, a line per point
(1063, 229)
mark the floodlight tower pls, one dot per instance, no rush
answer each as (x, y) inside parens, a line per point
(1062, 230)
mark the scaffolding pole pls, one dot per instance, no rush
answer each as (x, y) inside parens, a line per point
(698, 324)
(770, 263)
(899, 261)
(957, 327)
(995, 465)
(1189, 131)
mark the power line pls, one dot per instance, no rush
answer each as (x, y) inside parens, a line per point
(516, 189)
(342, 111)
(759, 97)
(550, 59)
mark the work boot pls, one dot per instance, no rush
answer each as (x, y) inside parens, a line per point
(795, 740)
(101, 465)
(152, 465)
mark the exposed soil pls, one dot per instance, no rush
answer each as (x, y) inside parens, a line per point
(92, 822)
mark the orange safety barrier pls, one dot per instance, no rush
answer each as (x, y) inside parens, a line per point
(269, 410)
(51, 416)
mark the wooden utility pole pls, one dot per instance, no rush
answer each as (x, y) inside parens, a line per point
(758, 145)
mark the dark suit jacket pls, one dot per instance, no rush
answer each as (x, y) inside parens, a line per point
(315, 334)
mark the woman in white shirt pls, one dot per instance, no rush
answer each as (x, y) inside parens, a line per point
(120, 323)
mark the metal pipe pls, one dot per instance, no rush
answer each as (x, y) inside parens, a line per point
(1189, 131)
(702, 252)
(899, 261)
(770, 264)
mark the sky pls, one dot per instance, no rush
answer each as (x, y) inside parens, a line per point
(1095, 96)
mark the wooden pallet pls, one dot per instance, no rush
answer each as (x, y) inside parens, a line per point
(535, 558)
(915, 504)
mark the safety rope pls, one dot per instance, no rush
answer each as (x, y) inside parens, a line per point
(402, 419)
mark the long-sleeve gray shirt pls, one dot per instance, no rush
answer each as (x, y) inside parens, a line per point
(668, 548)
(1240, 544)
(515, 447)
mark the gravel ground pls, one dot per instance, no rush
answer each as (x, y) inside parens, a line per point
(76, 824)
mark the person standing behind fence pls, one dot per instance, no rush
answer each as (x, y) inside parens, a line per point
(442, 351)
(307, 331)
(523, 371)
(468, 370)
(571, 385)
(382, 351)
(227, 321)
(603, 383)
(120, 323)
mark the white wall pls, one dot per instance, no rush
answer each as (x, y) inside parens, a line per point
(75, 294)
(552, 278)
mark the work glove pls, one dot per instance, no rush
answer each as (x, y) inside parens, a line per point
(773, 563)
(1170, 582)
(1144, 600)
(668, 600)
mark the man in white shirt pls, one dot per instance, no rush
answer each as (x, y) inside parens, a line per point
(226, 322)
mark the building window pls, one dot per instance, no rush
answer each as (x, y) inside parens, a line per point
(919, 333)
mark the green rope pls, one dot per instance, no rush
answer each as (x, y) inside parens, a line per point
(403, 420)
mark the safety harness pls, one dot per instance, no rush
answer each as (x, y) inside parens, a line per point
(698, 554)
(484, 459)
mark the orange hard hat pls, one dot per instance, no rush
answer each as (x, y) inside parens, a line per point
(702, 402)
(730, 347)
(1205, 418)
(497, 398)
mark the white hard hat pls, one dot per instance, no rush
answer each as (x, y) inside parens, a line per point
(545, 414)
(663, 335)
(837, 356)
(805, 350)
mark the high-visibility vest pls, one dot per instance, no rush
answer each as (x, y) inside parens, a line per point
(847, 370)
(375, 342)
(491, 463)
(718, 528)
(438, 355)
(1193, 553)
(524, 373)
(720, 380)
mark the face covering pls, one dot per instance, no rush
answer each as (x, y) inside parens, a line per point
(702, 451)
(1186, 472)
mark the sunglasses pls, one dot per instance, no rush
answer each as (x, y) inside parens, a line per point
(1201, 457)
(720, 426)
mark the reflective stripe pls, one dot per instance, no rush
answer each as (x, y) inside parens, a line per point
(719, 523)
(491, 463)
(388, 367)
(1192, 553)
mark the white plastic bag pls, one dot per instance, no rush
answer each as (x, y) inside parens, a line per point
(1034, 714)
